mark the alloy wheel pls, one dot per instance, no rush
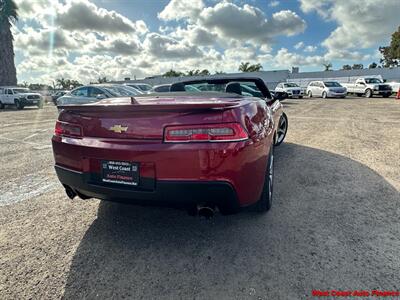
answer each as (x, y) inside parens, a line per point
(282, 128)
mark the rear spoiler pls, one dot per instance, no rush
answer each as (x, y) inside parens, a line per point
(104, 106)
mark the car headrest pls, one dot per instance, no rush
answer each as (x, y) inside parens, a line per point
(177, 87)
(233, 87)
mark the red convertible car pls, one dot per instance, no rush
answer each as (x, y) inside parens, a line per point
(212, 147)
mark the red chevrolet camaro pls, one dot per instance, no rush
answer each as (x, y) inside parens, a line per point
(208, 148)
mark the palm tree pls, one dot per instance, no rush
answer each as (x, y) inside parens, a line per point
(247, 67)
(327, 66)
(8, 15)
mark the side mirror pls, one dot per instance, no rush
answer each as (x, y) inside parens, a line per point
(100, 96)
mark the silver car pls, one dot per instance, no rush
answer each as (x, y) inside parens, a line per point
(326, 89)
(93, 93)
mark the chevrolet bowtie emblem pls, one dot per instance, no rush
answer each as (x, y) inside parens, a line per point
(119, 128)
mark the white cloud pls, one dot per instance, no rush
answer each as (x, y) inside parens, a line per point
(195, 34)
(181, 9)
(273, 3)
(310, 48)
(361, 24)
(286, 59)
(165, 47)
(299, 45)
(84, 15)
(249, 23)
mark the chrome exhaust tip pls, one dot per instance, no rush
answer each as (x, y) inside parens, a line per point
(205, 211)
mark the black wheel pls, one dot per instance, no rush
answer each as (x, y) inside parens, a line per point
(1, 105)
(368, 93)
(324, 95)
(309, 94)
(282, 129)
(359, 95)
(387, 95)
(265, 202)
(300, 97)
(18, 105)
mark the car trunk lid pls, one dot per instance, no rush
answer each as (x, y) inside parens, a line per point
(144, 118)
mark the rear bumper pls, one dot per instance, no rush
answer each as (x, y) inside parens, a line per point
(160, 192)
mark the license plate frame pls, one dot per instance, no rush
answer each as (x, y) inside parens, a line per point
(120, 172)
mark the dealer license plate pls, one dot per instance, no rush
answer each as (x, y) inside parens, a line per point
(121, 172)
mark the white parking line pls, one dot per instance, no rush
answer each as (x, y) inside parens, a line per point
(27, 123)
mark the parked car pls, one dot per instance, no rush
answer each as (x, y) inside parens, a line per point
(143, 87)
(326, 89)
(57, 95)
(20, 97)
(162, 88)
(93, 93)
(199, 150)
(293, 90)
(369, 87)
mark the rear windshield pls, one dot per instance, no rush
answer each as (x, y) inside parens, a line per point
(332, 84)
(246, 88)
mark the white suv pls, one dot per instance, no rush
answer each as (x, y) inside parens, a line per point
(326, 89)
(293, 90)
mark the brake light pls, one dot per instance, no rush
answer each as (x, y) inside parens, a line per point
(225, 132)
(67, 129)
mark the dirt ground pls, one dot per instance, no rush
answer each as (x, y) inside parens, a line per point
(334, 223)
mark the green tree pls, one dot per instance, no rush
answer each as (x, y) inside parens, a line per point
(219, 72)
(247, 67)
(373, 65)
(102, 80)
(327, 67)
(197, 72)
(67, 83)
(62, 83)
(357, 66)
(39, 87)
(173, 73)
(346, 67)
(8, 15)
(391, 53)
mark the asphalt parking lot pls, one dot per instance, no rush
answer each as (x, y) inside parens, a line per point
(334, 223)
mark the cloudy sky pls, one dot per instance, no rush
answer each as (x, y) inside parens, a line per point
(87, 39)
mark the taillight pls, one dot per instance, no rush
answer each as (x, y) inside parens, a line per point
(225, 132)
(67, 129)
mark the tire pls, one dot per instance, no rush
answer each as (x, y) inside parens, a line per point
(282, 129)
(324, 95)
(1, 105)
(265, 202)
(387, 95)
(18, 105)
(309, 94)
(300, 97)
(359, 95)
(368, 93)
